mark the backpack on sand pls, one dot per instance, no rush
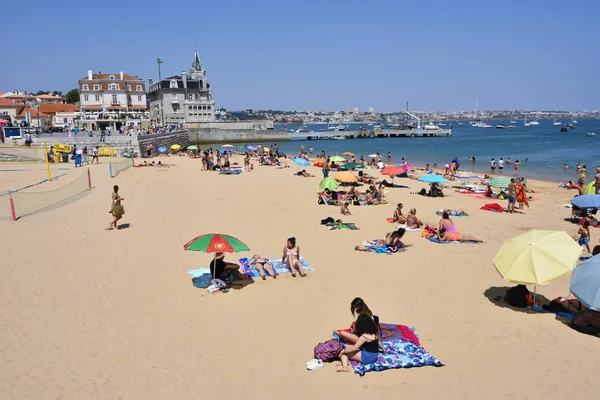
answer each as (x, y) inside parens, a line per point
(517, 296)
(329, 350)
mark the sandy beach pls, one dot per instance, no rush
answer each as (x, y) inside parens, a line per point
(95, 314)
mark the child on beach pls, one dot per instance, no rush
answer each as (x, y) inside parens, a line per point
(344, 209)
(584, 238)
(366, 349)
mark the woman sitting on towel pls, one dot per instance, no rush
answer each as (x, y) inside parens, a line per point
(398, 217)
(357, 307)
(411, 219)
(394, 239)
(261, 265)
(448, 232)
(291, 257)
(366, 348)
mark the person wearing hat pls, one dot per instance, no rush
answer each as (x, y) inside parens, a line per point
(220, 269)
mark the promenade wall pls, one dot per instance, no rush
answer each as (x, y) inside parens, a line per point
(119, 142)
(236, 135)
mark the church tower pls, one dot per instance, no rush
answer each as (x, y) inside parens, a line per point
(197, 72)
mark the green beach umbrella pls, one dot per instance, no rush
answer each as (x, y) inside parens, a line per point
(216, 243)
(500, 182)
(328, 183)
(348, 166)
(590, 188)
(193, 147)
(241, 146)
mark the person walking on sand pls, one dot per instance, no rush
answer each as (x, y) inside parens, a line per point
(512, 196)
(584, 236)
(117, 209)
(95, 151)
(291, 257)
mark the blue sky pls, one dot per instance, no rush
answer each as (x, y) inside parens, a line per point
(330, 55)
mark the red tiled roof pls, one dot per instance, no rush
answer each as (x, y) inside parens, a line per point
(137, 107)
(6, 102)
(33, 111)
(55, 108)
(117, 77)
(48, 97)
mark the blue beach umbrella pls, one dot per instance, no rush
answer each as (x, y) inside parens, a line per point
(250, 147)
(585, 282)
(301, 162)
(431, 178)
(162, 149)
(587, 201)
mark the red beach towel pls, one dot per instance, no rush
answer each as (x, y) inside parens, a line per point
(495, 207)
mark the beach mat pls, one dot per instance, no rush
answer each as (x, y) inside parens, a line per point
(341, 225)
(403, 351)
(434, 239)
(200, 277)
(407, 229)
(277, 265)
(452, 216)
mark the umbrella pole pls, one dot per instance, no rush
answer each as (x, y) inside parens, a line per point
(534, 293)
(214, 265)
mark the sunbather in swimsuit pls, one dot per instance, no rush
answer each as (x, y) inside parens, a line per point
(262, 265)
(291, 257)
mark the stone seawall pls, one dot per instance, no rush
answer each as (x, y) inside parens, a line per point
(181, 138)
(232, 125)
(236, 135)
(119, 142)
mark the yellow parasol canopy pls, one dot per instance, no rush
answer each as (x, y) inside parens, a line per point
(345, 177)
(537, 257)
(348, 153)
(175, 147)
(266, 149)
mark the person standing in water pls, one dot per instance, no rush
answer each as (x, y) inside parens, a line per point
(117, 209)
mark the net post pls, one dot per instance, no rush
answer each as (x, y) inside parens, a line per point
(110, 169)
(13, 213)
(47, 161)
(89, 179)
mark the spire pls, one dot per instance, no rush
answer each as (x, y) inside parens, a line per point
(196, 63)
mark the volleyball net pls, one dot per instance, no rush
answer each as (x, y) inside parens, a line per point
(21, 155)
(115, 168)
(21, 203)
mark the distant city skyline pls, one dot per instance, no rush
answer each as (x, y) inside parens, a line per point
(437, 55)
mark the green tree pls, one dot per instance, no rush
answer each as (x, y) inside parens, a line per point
(72, 96)
(41, 92)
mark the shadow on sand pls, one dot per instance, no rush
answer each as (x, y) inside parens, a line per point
(495, 294)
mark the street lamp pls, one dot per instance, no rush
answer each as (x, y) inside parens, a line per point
(162, 110)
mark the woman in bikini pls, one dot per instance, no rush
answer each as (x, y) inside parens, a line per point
(366, 348)
(357, 307)
(291, 257)
(398, 217)
(411, 219)
(394, 239)
(262, 264)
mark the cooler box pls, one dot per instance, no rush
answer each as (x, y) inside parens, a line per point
(64, 157)
(77, 159)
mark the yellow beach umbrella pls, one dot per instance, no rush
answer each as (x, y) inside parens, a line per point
(175, 147)
(537, 257)
(337, 158)
(590, 188)
(345, 177)
(348, 153)
(227, 145)
(266, 149)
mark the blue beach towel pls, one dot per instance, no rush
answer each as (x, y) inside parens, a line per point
(434, 239)
(279, 268)
(200, 277)
(453, 216)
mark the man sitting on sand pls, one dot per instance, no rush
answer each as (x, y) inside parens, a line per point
(220, 269)
(344, 209)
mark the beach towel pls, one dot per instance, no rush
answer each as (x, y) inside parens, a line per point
(495, 207)
(435, 239)
(341, 225)
(439, 214)
(403, 351)
(277, 265)
(377, 246)
(200, 277)
(466, 176)
(408, 229)
(230, 172)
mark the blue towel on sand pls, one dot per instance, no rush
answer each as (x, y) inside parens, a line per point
(200, 277)
(279, 268)
(434, 239)
(452, 216)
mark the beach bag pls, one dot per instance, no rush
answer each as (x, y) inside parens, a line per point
(329, 350)
(517, 296)
(118, 210)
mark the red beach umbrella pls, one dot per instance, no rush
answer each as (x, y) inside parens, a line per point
(393, 170)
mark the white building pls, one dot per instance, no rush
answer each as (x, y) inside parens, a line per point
(112, 100)
(183, 100)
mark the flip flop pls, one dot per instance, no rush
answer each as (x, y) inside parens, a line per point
(314, 366)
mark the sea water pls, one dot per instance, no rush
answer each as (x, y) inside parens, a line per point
(542, 150)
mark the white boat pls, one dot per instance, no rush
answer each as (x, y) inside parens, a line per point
(510, 126)
(590, 134)
(513, 122)
(525, 123)
(338, 137)
(481, 125)
(574, 121)
(556, 123)
(534, 123)
(500, 126)
(431, 127)
(486, 125)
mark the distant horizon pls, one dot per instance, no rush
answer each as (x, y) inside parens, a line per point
(513, 55)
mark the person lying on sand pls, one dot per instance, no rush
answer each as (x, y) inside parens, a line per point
(357, 307)
(411, 219)
(398, 217)
(448, 232)
(261, 265)
(455, 213)
(304, 174)
(366, 349)
(161, 165)
(351, 194)
(364, 178)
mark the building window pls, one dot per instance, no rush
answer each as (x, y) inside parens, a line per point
(208, 107)
(85, 87)
(190, 108)
(197, 96)
(112, 77)
(174, 96)
(129, 88)
(114, 99)
(139, 98)
(97, 97)
(173, 84)
(85, 97)
(96, 87)
(113, 86)
(190, 97)
(138, 88)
